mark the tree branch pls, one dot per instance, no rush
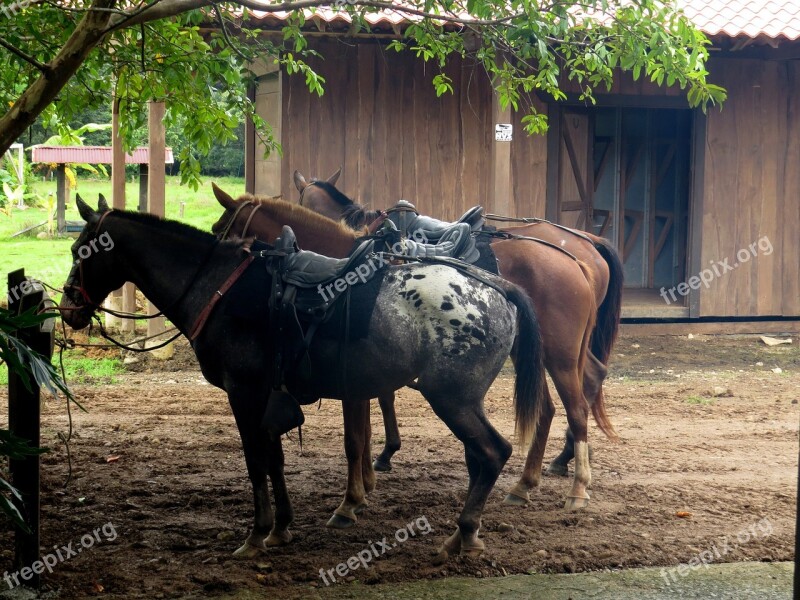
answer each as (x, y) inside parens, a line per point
(89, 32)
(169, 8)
(28, 59)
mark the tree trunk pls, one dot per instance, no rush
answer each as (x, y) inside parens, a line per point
(88, 33)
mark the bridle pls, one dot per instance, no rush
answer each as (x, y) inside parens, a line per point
(223, 235)
(87, 300)
(303, 191)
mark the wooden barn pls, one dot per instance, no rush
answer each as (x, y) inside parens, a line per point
(704, 208)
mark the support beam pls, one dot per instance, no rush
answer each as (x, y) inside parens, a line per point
(115, 300)
(156, 184)
(502, 202)
(61, 198)
(143, 183)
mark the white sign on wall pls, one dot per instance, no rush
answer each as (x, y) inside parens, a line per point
(503, 132)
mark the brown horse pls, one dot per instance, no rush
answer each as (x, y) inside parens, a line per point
(558, 285)
(321, 195)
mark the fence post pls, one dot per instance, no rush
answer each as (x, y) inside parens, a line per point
(24, 418)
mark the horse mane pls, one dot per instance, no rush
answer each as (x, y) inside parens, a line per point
(288, 213)
(334, 192)
(174, 227)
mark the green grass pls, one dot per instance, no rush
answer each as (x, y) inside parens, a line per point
(699, 400)
(50, 259)
(80, 369)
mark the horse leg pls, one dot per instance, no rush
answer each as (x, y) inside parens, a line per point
(355, 413)
(284, 514)
(558, 466)
(367, 471)
(486, 453)
(593, 376)
(532, 473)
(392, 443)
(248, 407)
(568, 384)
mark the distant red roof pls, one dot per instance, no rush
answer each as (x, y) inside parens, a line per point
(92, 155)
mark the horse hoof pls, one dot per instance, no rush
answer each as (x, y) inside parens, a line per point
(383, 467)
(440, 558)
(248, 551)
(514, 500)
(361, 508)
(474, 550)
(338, 521)
(576, 503)
(557, 469)
(278, 539)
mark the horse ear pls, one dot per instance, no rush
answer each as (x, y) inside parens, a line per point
(223, 197)
(86, 211)
(333, 178)
(102, 204)
(299, 181)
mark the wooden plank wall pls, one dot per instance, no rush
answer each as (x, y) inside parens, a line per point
(751, 190)
(528, 168)
(381, 120)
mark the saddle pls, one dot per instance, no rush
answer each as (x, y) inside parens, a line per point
(425, 237)
(306, 269)
(306, 287)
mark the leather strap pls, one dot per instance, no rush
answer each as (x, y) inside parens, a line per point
(200, 322)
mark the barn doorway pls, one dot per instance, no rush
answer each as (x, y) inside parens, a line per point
(623, 173)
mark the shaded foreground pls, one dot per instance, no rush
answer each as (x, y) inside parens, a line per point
(179, 498)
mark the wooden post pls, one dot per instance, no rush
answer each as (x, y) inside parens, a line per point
(250, 147)
(24, 420)
(502, 202)
(61, 198)
(156, 186)
(143, 183)
(116, 299)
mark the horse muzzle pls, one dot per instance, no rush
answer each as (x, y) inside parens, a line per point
(75, 315)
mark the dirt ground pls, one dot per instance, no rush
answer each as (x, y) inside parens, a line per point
(699, 472)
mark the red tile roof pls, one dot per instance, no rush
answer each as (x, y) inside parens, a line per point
(766, 19)
(92, 155)
(771, 19)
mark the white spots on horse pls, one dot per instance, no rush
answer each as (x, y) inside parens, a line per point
(456, 306)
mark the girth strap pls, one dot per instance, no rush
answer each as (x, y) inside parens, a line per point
(537, 221)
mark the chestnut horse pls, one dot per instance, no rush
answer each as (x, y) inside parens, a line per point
(597, 253)
(194, 278)
(569, 308)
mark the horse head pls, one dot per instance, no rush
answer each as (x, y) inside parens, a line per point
(93, 275)
(323, 197)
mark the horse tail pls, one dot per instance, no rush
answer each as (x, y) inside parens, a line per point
(597, 404)
(529, 388)
(605, 334)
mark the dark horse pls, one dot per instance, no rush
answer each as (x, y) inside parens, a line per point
(558, 285)
(406, 335)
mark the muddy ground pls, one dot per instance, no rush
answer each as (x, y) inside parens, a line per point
(695, 474)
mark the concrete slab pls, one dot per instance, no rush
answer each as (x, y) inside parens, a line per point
(757, 581)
